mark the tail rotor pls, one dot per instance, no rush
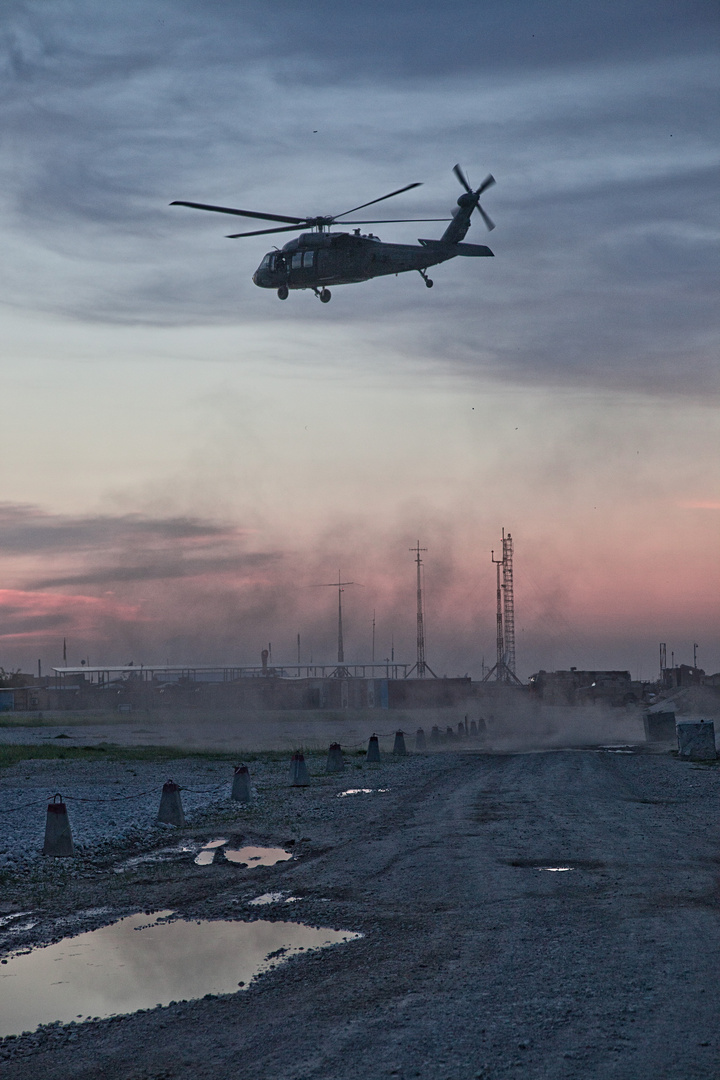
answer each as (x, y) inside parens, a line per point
(475, 195)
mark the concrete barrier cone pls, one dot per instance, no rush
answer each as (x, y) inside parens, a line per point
(335, 761)
(419, 739)
(241, 784)
(373, 751)
(299, 776)
(696, 740)
(473, 727)
(435, 736)
(449, 733)
(399, 744)
(58, 837)
(461, 730)
(171, 811)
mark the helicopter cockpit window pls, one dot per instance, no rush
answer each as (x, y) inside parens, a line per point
(297, 260)
(309, 258)
(265, 264)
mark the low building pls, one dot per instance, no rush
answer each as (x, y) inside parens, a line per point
(576, 687)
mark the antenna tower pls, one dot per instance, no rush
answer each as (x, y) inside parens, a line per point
(500, 637)
(504, 666)
(340, 586)
(508, 602)
(420, 666)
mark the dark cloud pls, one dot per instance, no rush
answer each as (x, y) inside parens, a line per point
(599, 122)
(16, 623)
(159, 570)
(123, 549)
(28, 530)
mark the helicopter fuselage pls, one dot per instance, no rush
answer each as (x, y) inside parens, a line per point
(319, 259)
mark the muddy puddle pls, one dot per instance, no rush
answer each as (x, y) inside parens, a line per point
(207, 854)
(244, 856)
(257, 856)
(143, 961)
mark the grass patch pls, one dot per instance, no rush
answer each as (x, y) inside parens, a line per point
(12, 754)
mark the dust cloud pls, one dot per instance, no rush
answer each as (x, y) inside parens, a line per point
(512, 724)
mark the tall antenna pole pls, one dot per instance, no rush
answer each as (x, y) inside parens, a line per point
(420, 664)
(500, 639)
(373, 637)
(341, 652)
(339, 585)
(508, 602)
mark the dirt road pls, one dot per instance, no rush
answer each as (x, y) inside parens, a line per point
(475, 961)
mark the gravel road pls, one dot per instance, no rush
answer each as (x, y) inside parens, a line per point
(475, 960)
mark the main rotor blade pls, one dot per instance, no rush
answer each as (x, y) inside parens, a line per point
(263, 232)
(461, 177)
(388, 221)
(487, 182)
(486, 218)
(240, 213)
(373, 201)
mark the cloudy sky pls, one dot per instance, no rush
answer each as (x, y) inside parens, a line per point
(182, 455)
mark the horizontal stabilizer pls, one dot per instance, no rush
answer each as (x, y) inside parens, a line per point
(469, 250)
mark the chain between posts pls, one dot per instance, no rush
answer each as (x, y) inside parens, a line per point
(112, 799)
(153, 791)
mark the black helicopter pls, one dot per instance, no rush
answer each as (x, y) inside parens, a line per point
(320, 258)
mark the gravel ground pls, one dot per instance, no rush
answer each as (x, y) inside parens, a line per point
(475, 962)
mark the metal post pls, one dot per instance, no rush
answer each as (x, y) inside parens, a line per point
(500, 659)
(341, 651)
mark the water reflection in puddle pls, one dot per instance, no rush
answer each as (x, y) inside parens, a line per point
(257, 856)
(556, 869)
(143, 961)
(361, 791)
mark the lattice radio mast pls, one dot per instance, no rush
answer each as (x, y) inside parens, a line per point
(504, 666)
(508, 602)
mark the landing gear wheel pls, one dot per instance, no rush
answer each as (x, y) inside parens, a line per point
(429, 282)
(325, 295)
(283, 292)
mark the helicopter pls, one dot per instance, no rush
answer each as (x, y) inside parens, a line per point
(314, 260)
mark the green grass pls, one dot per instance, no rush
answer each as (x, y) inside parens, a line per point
(12, 754)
